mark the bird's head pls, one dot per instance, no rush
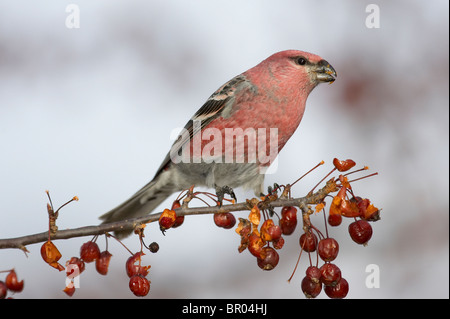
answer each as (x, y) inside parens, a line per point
(293, 69)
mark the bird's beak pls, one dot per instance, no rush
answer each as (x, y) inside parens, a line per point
(324, 72)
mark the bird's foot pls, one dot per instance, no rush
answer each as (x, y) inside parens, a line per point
(271, 191)
(221, 191)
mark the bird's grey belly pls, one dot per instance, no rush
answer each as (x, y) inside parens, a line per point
(234, 175)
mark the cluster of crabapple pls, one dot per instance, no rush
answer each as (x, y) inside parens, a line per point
(89, 252)
(329, 274)
(264, 241)
(139, 284)
(258, 241)
(11, 284)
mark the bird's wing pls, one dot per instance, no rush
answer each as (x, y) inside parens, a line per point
(220, 103)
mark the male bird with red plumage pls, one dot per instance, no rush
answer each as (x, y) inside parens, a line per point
(270, 95)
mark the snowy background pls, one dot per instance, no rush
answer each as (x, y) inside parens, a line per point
(89, 112)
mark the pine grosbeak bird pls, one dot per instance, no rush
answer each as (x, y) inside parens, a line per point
(270, 96)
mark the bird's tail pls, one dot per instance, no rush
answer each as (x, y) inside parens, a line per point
(140, 204)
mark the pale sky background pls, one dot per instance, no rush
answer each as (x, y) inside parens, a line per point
(89, 112)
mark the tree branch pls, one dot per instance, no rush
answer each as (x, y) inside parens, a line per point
(310, 199)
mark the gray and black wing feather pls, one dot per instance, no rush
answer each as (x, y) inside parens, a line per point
(218, 104)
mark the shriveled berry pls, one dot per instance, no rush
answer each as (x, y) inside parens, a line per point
(343, 165)
(102, 263)
(254, 216)
(136, 269)
(268, 258)
(328, 249)
(308, 241)
(225, 220)
(69, 290)
(310, 288)
(12, 283)
(349, 208)
(340, 290)
(372, 214)
(89, 252)
(360, 231)
(362, 203)
(154, 247)
(255, 244)
(330, 274)
(139, 285)
(288, 221)
(178, 221)
(167, 219)
(72, 263)
(3, 290)
(279, 243)
(314, 273)
(334, 219)
(366, 210)
(270, 231)
(275, 232)
(50, 254)
(176, 204)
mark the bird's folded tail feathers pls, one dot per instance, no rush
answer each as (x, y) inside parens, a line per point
(140, 204)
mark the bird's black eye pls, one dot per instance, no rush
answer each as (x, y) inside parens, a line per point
(301, 61)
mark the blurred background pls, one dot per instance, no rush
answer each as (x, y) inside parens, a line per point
(88, 111)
